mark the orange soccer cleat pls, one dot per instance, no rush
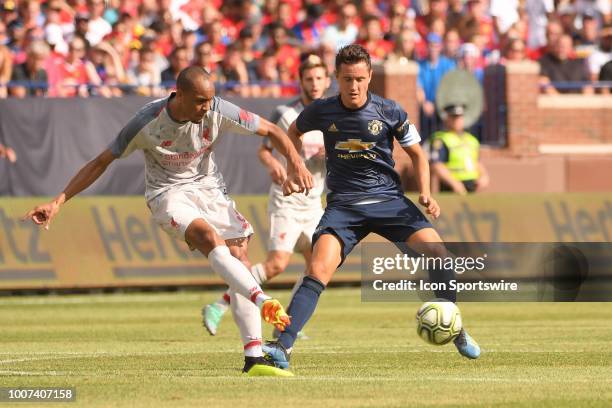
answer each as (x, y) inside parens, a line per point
(273, 312)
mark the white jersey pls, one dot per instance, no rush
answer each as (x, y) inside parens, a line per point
(181, 154)
(312, 142)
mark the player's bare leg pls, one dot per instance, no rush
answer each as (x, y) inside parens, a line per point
(434, 247)
(425, 235)
(276, 262)
(326, 256)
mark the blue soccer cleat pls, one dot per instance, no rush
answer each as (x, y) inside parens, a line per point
(300, 336)
(467, 346)
(276, 352)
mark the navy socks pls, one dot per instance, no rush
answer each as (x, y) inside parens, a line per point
(301, 309)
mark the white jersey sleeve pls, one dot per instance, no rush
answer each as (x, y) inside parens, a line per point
(284, 116)
(129, 138)
(235, 119)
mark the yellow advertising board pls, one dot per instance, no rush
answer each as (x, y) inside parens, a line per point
(98, 242)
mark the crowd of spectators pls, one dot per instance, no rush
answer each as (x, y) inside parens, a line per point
(68, 48)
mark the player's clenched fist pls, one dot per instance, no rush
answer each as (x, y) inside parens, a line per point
(42, 214)
(8, 153)
(431, 205)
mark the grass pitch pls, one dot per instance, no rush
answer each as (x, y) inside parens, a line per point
(150, 350)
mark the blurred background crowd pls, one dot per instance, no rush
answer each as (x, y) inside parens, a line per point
(69, 48)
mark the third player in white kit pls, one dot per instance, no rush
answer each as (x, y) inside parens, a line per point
(293, 218)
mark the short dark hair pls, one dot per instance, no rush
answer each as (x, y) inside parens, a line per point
(178, 49)
(370, 17)
(188, 77)
(352, 54)
(310, 61)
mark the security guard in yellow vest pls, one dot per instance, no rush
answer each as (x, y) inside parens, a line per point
(454, 155)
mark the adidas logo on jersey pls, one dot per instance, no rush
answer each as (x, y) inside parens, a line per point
(333, 128)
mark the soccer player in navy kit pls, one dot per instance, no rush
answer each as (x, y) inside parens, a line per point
(365, 193)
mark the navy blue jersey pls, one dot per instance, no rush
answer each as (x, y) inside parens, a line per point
(359, 146)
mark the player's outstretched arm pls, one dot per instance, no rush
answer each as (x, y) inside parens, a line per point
(421, 168)
(277, 171)
(299, 178)
(296, 139)
(295, 136)
(8, 153)
(43, 214)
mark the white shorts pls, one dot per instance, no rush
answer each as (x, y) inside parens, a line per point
(289, 232)
(174, 210)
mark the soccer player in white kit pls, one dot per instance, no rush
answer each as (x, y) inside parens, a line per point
(186, 193)
(294, 218)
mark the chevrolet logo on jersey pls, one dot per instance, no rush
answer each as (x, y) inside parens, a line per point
(354, 145)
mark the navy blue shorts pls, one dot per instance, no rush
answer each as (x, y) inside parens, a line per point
(394, 219)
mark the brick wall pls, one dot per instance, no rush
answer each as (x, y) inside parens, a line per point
(522, 108)
(398, 82)
(535, 119)
(577, 127)
(575, 119)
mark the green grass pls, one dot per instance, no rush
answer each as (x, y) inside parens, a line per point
(149, 350)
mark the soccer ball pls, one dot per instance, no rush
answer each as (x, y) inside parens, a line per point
(438, 321)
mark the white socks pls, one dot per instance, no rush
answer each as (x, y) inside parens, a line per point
(235, 274)
(247, 318)
(259, 273)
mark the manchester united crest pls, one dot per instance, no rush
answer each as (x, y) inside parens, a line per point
(375, 127)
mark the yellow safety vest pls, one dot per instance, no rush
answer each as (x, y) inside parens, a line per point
(462, 154)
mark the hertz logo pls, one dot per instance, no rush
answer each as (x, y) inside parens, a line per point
(354, 145)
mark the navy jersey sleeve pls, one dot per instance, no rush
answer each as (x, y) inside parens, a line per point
(307, 120)
(404, 131)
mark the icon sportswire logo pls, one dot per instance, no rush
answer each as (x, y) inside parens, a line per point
(354, 145)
